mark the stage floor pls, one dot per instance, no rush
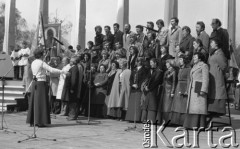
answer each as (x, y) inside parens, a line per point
(109, 134)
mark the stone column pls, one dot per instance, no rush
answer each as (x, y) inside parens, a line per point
(225, 14)
(9, 35)
(123, 13)
(232, 20)
(79, 31)
(170, 10)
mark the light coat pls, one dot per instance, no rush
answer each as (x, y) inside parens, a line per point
(197, 104)
(174, 38)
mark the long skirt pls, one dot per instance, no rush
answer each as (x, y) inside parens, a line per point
(178, 109)
(217, 107)
(39, 110)
(134, 107)
(194, 120)
(149, 106)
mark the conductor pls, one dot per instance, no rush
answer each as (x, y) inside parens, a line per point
(39, 110)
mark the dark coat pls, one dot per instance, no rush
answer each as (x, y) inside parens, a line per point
(138, 76)
(132, 63)
(169, 85)
(118, 37)
(153, 82)
(100, 90)
(109, 38)
(186, 45)
(162, 61)
(71, 84)
(217, 69)
(204, 37)
(98, 40)
(222, 35)
(180, 99)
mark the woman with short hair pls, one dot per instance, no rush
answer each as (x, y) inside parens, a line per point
(179, 103)
(169, 86)
(118, 100)
(196, 109)
(39, 110)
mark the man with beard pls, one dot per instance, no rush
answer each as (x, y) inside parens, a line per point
(222, 35)
(140, 35)
(108, 36)
(202, 35)
(118, 35)
(98, 38)
(126, 36)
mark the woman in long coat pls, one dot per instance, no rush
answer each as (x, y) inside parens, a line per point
(166, 99)
(149, 87)
(217, 93)
(197, 93)
(100, 92)
(111, 76)
(118, 100)
(179, 103)
(134, 105)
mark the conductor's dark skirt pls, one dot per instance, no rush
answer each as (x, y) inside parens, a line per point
(39, 104)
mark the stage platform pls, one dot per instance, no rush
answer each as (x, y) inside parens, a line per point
(109, 134)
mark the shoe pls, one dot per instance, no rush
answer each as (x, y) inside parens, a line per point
(41, 125)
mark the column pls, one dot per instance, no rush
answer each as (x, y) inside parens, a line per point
(170, 10)
(9, 35)
(123, 13)
(232, 20)
(79, 31)
(225, 14)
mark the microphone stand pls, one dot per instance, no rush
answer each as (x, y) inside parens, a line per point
(34, 136)
(89, 97)
(134, 127)
(3, 88)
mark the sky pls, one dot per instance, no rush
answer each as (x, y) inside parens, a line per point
(103, 12)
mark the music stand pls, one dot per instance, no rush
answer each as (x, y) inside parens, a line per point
(3, 88)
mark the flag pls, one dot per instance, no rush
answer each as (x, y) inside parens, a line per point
(38, 40)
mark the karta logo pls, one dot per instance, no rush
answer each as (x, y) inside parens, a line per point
(151, 133)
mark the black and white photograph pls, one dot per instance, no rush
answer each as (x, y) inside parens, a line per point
(119, 74)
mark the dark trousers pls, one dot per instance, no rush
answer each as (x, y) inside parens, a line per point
(21, 68)
(16, 72)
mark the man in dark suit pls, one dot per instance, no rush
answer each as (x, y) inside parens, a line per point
(186, 43)
(202, 35)
(118, 35)
(222, 35)
(98, 39)
(109, 37)
(70, 89)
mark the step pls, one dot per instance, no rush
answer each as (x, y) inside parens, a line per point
(11, 96)
(12, 82)
(13, 88)
(12, 92)
(5, 106)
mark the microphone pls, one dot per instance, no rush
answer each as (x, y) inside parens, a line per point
(2, 59)
(58, 41)
(150, 28)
